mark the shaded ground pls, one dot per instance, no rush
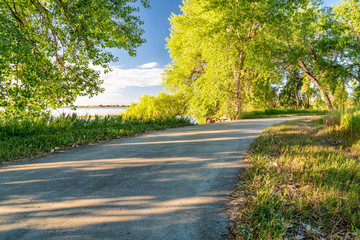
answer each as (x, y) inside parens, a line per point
(165, 185)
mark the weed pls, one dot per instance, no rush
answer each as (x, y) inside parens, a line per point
(350, 122)
(320, 121)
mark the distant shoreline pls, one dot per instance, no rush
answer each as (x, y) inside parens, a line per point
(100, 106)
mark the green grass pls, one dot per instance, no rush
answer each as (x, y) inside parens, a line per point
(280, 113)
(32, 137)
(304, 180)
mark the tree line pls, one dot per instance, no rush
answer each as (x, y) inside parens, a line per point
(229, 56)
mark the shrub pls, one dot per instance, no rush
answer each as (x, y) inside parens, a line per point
(162, 106)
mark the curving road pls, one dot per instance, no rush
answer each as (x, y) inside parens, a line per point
(169, 184)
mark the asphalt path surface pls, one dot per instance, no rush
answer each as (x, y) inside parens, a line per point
(168, 184)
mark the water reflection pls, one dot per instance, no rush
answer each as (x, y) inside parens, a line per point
(91, 111)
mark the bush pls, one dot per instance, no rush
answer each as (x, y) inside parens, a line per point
(162, 106)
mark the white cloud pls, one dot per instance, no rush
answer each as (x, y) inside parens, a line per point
(146, 75)
(149, 65)
(136, 77)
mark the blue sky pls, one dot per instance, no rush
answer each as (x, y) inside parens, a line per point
(331, 2)
(133, 77)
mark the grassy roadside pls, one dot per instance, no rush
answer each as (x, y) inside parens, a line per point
(280, 113)
(269, 113)
(303, 183)
(29, 138)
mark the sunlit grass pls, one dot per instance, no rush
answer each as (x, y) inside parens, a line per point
(31, 137)
(303, 183)
(280, 113)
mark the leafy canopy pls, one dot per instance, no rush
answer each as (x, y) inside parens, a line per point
(230, 56)
(222, 53)
(49, 50)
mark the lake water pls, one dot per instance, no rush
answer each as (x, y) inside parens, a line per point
(82, 111)
(100, 111)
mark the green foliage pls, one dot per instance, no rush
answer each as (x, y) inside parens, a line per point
(162, 106)
(30, 137)
(218, 50)
(349, 11)
(290, 94)
(350, 122)
(345, 123)
(320, 121)
(261, 95)
(50, 50)
(356, 94)
(312, 42)
(230, 56)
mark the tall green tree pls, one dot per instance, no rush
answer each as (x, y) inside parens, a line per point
(297, 43)
(314, 42)
(218, 49)
(229, 55)
(49, 49)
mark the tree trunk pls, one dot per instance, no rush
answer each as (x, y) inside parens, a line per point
(297, 100)
(237, 93)
(238, 87)
(333, 100)
(307, 101)
(317, 84)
